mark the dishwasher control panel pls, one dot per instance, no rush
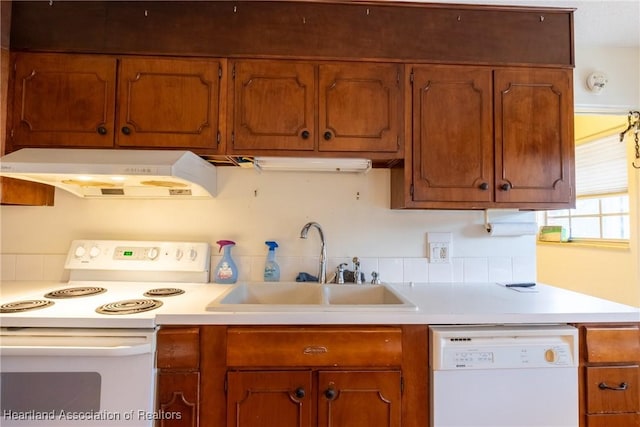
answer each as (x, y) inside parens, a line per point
(457, 348)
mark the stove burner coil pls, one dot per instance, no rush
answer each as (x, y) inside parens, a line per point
(130, 306)
(75, 292)
(163, 292)
(27, 305)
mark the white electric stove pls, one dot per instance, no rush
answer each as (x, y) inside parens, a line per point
(82, 353)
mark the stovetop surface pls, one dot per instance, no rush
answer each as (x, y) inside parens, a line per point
(81, 311)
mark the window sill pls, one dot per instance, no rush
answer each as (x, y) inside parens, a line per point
(588, 244)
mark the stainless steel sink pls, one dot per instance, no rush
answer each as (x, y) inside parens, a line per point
(290, 296)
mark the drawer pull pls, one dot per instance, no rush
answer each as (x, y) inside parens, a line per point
(621, 387)
(315, 349)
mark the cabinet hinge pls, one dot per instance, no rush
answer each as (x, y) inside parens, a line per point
(218, 138)
(398, 141)
(12, 133)
(401, 385)
(233, 72)
(226, 385)
(411, 190)
(219, 72)
(233, 137)
(411, 77)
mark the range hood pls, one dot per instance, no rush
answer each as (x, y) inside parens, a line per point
(98, 173)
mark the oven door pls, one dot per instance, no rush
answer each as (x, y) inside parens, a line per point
(77, 377)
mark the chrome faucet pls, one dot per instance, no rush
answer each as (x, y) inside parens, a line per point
(322, 273)
(357, 273)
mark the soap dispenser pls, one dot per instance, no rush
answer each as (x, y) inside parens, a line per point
(271, 267)
(226, 271)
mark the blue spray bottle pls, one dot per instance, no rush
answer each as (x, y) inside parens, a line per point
(271, 267)
(226, 271)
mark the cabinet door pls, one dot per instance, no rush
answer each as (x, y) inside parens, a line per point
(359, 398)
(534, 136)
(269, 399)
(169, 103)
(359, 107)
(178, 397)
(273, 106)
(452, 134)
(63, 101)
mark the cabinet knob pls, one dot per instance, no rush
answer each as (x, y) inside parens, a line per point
(126, 130)
(505, 187)
(327, 135)
(102, 130)
(305, 134)
(484, 186)
(300, 393)
(330, 394)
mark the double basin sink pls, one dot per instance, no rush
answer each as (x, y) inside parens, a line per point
(309, 297)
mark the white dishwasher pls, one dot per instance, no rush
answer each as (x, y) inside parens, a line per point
(504, 376)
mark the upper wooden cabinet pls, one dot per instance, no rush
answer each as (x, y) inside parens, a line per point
(302, 108)
(485, 137)
(65, 100)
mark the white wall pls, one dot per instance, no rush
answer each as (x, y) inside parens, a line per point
(622, 67)
(251, 208)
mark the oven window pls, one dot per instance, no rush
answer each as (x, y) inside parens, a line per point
(50, 391)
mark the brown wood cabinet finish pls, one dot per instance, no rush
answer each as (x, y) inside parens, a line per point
(270, 398)
(314, 109)
(64, 100)
(609, 375)
(178, 380)
(317, 346)
(359, 398)
(169, 103)
(452, 134)
(534, 137)
(325, 30)
(474, 149)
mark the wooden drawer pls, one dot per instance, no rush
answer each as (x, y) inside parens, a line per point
(612, 344)
(613, 389)
(321, 346)
(617, 420)
(178, 348)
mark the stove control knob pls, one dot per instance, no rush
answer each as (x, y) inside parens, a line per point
(179, 254)
(94, 252)
(79, 252)
(153, 253)
(193, 254)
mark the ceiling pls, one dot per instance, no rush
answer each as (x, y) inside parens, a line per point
(597, 23)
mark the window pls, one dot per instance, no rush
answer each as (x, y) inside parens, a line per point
(602, 205)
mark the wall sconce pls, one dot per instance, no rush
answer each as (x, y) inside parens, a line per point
(596, 81)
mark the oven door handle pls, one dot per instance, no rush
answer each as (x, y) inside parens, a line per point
(85, 351)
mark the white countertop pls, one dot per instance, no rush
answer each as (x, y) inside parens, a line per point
(438, 303)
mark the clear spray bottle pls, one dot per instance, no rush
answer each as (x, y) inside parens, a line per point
(226, 271)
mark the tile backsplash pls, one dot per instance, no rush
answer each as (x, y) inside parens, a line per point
(47, 267)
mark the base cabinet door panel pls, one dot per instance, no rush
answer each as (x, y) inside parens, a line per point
(269, 399)
(178, 399)
(359, 398)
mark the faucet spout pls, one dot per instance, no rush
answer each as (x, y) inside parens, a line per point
(322, 270)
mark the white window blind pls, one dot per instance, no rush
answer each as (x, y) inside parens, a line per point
(601, 167)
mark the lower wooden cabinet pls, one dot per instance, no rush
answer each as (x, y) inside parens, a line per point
(293, 376)
(610, 375)
(308, 398)
(178, 380)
